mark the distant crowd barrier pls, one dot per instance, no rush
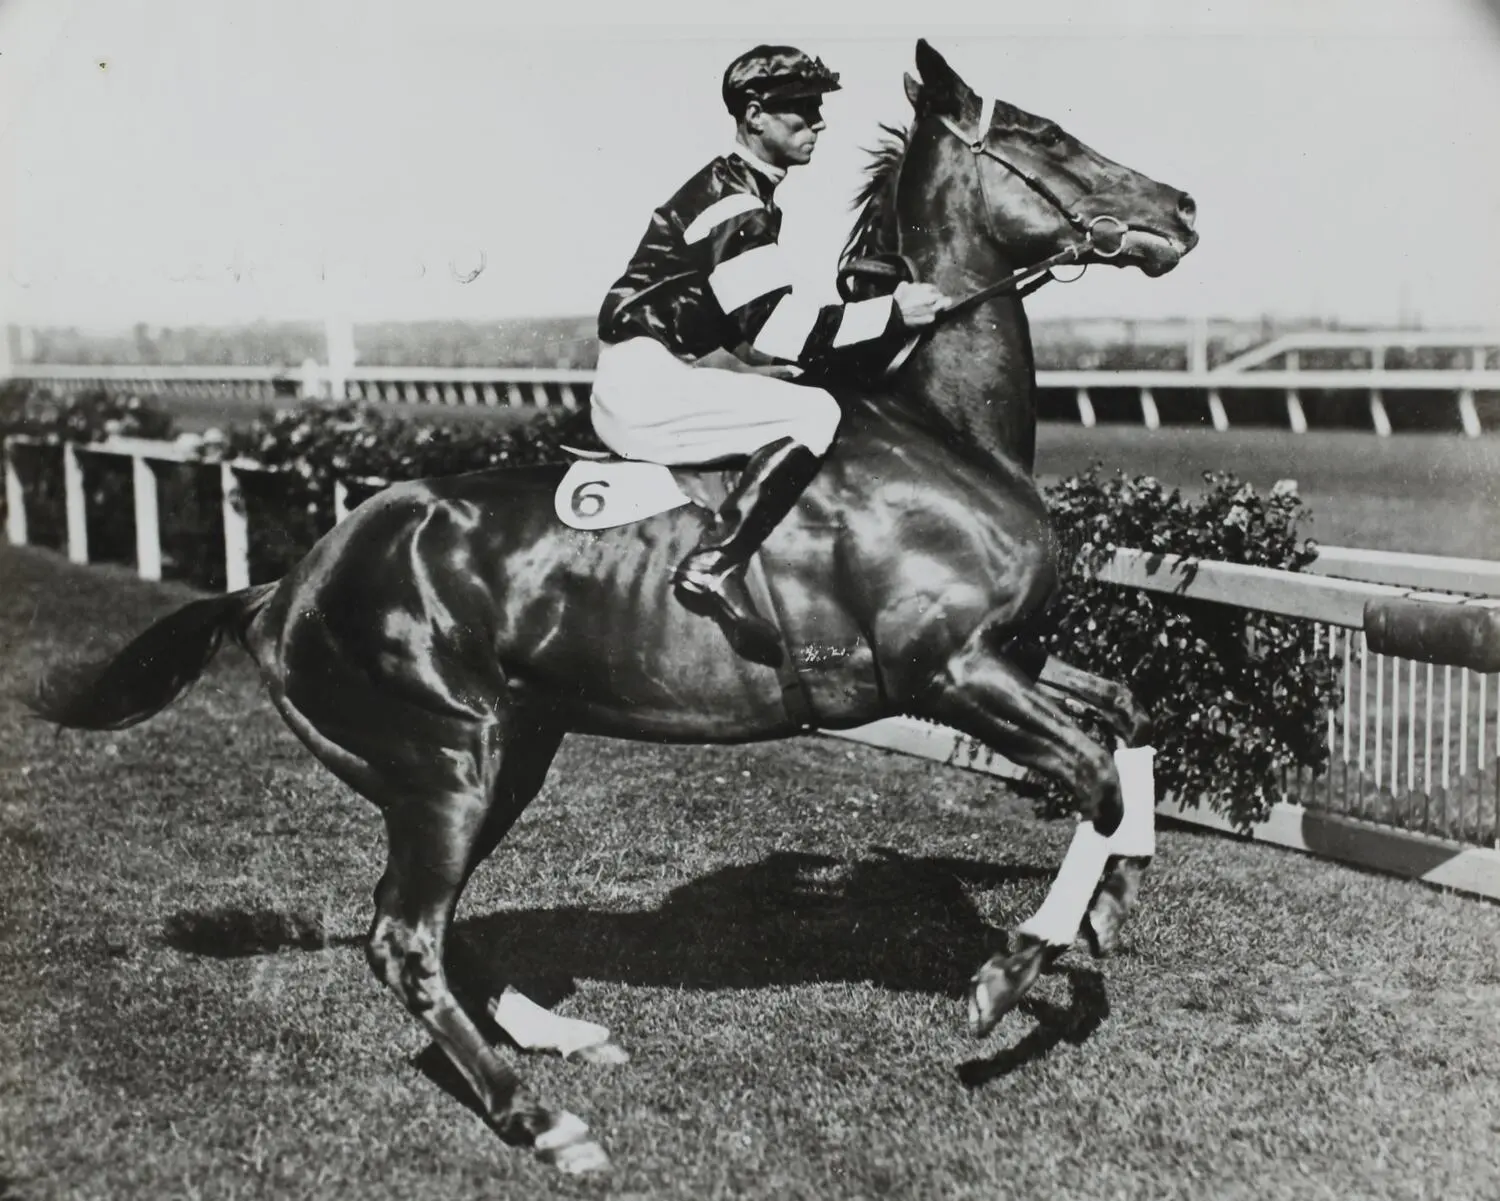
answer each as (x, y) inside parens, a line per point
(1285, 383)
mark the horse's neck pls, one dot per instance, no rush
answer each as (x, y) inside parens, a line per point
(976, 373)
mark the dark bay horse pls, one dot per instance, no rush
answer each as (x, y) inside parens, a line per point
(434, 649)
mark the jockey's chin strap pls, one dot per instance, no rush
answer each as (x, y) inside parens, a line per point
(1103, 236)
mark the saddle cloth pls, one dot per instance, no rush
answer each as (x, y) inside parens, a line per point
(599, 492)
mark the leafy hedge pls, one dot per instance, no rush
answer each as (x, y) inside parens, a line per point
(1238, 697)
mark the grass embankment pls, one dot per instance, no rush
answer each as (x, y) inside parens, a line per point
(779, 934)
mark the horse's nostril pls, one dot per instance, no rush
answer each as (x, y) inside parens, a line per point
(1187, 209)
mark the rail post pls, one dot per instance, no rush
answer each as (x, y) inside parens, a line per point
(73, 497)
(338, 336)
(1216, 411)
(1468, 414)
(1150, 415)
(236, 531)
(1295, 415)
(147, 518)
(15, 499)
(1086, 416)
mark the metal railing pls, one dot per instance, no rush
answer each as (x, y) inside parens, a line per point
(1386, 393)
(1412, 745)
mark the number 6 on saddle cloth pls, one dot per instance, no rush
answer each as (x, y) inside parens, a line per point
(599, 493)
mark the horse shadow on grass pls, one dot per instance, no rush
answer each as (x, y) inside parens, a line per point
(899, 922)
(902, 923)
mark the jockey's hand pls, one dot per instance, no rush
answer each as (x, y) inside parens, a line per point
(919, 304)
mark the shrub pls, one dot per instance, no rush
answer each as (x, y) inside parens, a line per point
(1238, 697)
(87, 417)
(314, 446)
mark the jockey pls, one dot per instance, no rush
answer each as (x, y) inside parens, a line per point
(709, 276)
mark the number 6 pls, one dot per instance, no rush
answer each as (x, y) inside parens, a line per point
(588, 504)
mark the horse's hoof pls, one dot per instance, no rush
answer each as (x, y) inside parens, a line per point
(608, 1054)
(1001, 983)
(568, 1146)
(1101, 929)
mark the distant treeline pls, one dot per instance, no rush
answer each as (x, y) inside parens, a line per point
(562, 342)
(569, 342)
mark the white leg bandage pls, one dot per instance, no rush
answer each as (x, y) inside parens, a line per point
(535, 1028)
(1136, 836)
(1057, 921)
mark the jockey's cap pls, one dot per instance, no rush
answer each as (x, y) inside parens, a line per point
(772, 73)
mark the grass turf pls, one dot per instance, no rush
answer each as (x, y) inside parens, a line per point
(779, 934)
(1434, 494)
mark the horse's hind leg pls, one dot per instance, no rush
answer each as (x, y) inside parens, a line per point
(433, 840)
(529, 750)
(982, 694)
(441, 783)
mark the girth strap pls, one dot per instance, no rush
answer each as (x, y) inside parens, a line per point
(794, 697)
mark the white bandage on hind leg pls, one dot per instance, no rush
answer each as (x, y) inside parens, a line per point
(533, 1027)
(1057, 921)
(1136, 835)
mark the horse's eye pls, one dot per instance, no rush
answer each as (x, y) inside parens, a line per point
(1051, 136)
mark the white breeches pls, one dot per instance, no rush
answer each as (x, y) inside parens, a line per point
(650, 405)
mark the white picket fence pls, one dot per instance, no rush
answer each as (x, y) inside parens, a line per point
(1414, 747)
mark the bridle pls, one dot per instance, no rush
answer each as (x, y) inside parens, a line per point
(1103, 235)
(1104, 244)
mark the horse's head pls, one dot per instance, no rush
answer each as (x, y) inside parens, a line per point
(1028, 184)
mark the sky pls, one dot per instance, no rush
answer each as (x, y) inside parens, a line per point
(176, 161)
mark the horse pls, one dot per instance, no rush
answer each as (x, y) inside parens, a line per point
(433, 649)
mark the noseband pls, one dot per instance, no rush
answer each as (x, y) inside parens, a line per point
(1103, 243)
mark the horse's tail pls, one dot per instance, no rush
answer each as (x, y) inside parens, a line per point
(154, 670)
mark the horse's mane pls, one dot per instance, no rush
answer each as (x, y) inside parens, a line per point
(874, 227)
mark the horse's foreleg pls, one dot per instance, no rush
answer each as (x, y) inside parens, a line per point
(1115, 703)
(1134, 844)
(988, 698)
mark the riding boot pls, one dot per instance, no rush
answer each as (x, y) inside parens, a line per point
(710, 580)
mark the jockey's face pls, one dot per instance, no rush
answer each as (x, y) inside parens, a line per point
(787, 130)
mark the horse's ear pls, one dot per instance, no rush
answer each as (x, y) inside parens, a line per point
(913, 92)
(941, 91)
